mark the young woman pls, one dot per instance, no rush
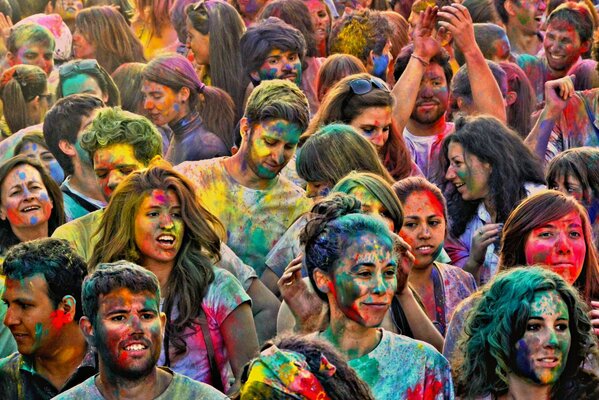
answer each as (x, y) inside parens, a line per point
(30, 203)
(87, 76)
(154, 219)
(321, 23)
(520, 99)
(128, 78)
(352, 265)
(152, 25)
(201, 117)
(34, 146)
(333, 69)
(477, 159)
(530, 344)
(440, 286)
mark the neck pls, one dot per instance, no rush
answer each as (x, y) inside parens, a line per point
(349, 337)
(162, 272)
(521, 389)
(418, 129)
(113, 386)
(523, 42)
(490, 206)
(420, 276)
(183, 112)
(28, 233)
(84, 181)
(237, 167)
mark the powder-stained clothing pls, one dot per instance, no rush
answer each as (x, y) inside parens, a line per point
(255, 219)
(181, 387)
(223, 296)
(426, 152)
(456, 325)
(77, 204)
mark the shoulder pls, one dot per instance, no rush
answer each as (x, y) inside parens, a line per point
(85, 222)
(182, 387)
(198, 169)
(85, 390)
(224, 295)
(10, 362)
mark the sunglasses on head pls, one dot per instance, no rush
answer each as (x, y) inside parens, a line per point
(363, 86)
(73, 67)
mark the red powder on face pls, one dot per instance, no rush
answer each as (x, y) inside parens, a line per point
(59, 318)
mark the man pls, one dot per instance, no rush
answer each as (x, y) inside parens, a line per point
(246, 191)
(31, 44)
(43, 288)
(63, 127)
(122, 320)
(522, 20)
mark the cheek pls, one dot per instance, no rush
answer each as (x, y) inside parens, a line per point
(268, 72)
(441, 93)
(409, 236)
(523, 361)
(260, 149)
(537, 252)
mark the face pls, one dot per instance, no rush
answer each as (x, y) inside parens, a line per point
(528, 15)
(562, 45)
(68, 9)
(320, 19)
(571, 186)
(559, 245)
(128, 332)
(44, 157)
(318, 190)
(424, 227)
(82, 83)
(280, 65)
(162, 104)
(364, 283)
(501, 50)
(198, 43)
(542, 352)
(271, 145)
(112, 164)
(82, 48)
(432, 99)
(24, 199)
(31, 316)
(373, 206)
(35, 53)
(159, 227)
(374, 123)
(249, 7)
(380, 63)
(468, 174)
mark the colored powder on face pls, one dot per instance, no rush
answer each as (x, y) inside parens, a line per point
(523, 361)
(380, 66)
(56, 172)
(22, 175)
(59, 318)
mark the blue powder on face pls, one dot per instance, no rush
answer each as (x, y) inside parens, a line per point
(380, 66)
(22, 175)
(33, 220)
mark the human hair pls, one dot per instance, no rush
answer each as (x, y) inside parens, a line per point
(30, 7)
(358, 33)
(106, 29)
(491, 142)
(114, 125)
(213, 104)
(518, 113)
(378, 188)
(20, 85)
(441, 59)
(225, 27)
(57, 216)
(460, 85)
(153, 12)
(99, 74)
(124, 7)
(581, 163)
(29, 33)
(334, 151)
(485, 34)
(413, 184)
(108, 277)
(482, 11)
(501, 11)
(334, 68)
(200, 248)
(342, 105)
(499, 320)
(576, 14)
(62, 268)
(336, 220)
(536, 211)
(553, 4)
(35, 137)
(260, 39)
(400, 28)
(63, 122)
(278, 99)
(128, 78)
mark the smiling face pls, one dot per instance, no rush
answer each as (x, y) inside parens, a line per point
(280, 65)
(374, 123)
(468, 174)
(159, 228)
(558, 244)
(24, 200)
(373, 206)
(320, 19)
(128, 332)
(433, 96)
(35, 53)
(82, 48)
(44, 157)
(424, 227)
(198, 43)
(162, 104)
(112, 164)
(542, 352)
(562, 45)
(527, 15)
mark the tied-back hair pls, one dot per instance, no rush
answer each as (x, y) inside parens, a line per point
(18, 86)
(491, 142)
(518, 113)
(200, 249)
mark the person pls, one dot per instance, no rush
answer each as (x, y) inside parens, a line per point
(321, 22)
(128, 78)
(365, 102)
(479, 198)
(519, 99)
(352, 265)
(483, 11)
(248, 9)
(575, 172)
(43, 292)
(522, 20)
(101, 33)
(34, 146)
(87, 77)
(492, 41)
(529, 345)
(398, 40)
(30, 203)
(25, 97)
(152, 25)
(63, 128)
(201, 117)
(246, 191)
(31, 44)
(66, 9)
(122, 320)
(160, 225)
(440, 286)
(333, 69)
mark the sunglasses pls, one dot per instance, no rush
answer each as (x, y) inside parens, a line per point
(363, 86)
(74, 67)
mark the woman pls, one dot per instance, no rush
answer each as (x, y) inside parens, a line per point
(477, 159)
(321, 23)
(102, 33)
(25, 97)
(128, 78)
(352, 266)
(201, 117)
(152, 25)
(399, 40)
(336, 67)
(87, 76)
(440, 286)
(520, 99)
(30, 203)
(34, 146)
(154, 219)
(530, 344)
(365, 103)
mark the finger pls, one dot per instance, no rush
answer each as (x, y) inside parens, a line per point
(594, 304)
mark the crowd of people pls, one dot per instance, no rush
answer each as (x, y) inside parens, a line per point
(299, 199)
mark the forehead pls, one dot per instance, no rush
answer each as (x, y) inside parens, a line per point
(150, 86)
(434, 71)
(33, 286)
(125, 298)
(36, 47)
(375, 113)
(315, 5)
(422, 201)
(548, 302)
(279, 52)
(569, 219)
(33, 147)
(562, 26)
(116, 153)
(363, 242)
(79, 83)
(22, 173)
(159, 197)
(279, 129)
(365, 197)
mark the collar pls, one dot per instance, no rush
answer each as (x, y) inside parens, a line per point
(89, 361)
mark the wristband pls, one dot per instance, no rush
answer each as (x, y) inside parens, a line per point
(422, 60)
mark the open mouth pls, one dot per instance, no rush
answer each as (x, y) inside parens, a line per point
(30, 209)
(136, 347)
(548, 362)
(165, 239)
(458, 185)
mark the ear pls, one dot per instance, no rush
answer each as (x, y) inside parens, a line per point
(322, 280)
(10, 57)
(511, 97)
(255, 76)
(49, 9)
(2, 213)
(67, 148)
(244, 128)
(184, 94)
(163, 322)
(88, 330)
(370, 60)
(68, 305)
(509, 7)
(460, 102)
(584, 47)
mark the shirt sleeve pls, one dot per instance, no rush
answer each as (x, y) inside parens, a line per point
(224, 295)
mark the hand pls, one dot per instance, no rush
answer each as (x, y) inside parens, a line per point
(405, 263)
(594, 316)
(291, 283)
(557, 93)
(481, 239)
(5, 26)
(425, 45)
(303, 303)
(457, 20)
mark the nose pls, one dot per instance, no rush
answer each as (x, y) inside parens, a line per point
(562, 244)
(278, 155)
(148, 104)
(379, 138)
(450, 174)
(380, 284)
(166, 221)
(552, 339)
(287, 66)
(114, 179)
(135, 323)
(426, 91)
(11, 318)
(425, 232)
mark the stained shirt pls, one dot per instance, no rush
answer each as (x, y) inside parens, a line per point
(76, 204)
(456, 325)
(426, 152)
(255, 219)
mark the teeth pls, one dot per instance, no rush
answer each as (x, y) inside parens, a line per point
(135, 347)
(29, 209)
(457, 185)
(166, 238)
(424, 247)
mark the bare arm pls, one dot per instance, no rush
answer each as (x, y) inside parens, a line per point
(420, 324)
(265, 307)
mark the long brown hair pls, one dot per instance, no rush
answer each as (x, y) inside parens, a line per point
(18, 86)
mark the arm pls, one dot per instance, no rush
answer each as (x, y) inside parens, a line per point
(421, 326)
(265, 307)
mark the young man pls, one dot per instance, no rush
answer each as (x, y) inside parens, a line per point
(246, 191)
(522, 20)
(122, 320)
(63, 127)
(43, 288)
(31, 44)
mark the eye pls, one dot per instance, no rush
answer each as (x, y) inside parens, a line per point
(390, 273)
(545, 235)
(272, 61)
(364, 274)
(176, 214)
(270, 142)
(434, 223)
(368, 131)
(101, 175)
(410, 225)
(575, 234)
(153, 214)
(293, 57)
(126, 171)
(148, 316)
(533, 327)
(117, 318)
(562, 327)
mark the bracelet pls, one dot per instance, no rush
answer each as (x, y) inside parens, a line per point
(422, 60)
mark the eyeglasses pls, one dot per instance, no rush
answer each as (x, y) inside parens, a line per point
(363, 86)
(73, 67)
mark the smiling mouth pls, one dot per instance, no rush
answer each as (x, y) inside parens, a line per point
(30, 208)
(548, 362)
(458, 185)
(136, 347)
(166, 240)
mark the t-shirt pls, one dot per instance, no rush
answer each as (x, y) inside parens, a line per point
(426, 152)
(181, 387)
(255, 219)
